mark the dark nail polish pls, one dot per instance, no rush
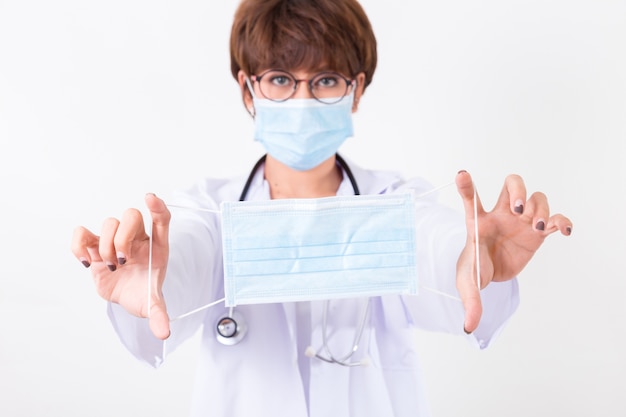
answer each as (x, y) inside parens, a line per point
(85, 263)
(121, 261)
(540, 225)
(568, 230)
(465, 330)
(519, 209)
(461, 171)
(111, 267)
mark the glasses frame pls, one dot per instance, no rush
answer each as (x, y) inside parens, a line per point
(350, 82)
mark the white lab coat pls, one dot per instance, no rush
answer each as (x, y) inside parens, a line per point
(268, 374)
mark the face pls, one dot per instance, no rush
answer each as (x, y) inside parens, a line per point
(302, 90)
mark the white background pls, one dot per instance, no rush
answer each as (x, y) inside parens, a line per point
(101, 102)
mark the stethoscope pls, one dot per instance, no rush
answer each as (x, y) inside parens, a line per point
(232, 328)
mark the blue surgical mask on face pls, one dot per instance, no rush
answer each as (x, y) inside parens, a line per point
(302, 133)
(323, 248)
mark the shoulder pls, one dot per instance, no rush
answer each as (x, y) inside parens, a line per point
(373, 181)
(208, 192)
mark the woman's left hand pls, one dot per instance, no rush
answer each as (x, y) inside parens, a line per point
(508, 237)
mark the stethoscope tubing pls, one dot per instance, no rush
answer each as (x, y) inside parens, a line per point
(355, 343)
(261, 161)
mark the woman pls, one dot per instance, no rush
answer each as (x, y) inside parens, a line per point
(303, 67)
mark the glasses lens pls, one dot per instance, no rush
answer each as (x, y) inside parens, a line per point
(277, 85)
(330, 87)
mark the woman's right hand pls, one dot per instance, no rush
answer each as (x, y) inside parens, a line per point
(119, 258)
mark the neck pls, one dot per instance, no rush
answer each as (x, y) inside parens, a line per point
(285, 182)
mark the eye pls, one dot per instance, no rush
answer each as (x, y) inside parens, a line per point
(281, 80)
(326, 81)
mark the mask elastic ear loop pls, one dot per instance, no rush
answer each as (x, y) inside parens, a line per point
(150, 270)
(477, 249)
(204, 307)
(477, 254)
(433, 190)
(194, 208)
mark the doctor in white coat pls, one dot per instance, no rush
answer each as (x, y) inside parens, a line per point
(309, 61)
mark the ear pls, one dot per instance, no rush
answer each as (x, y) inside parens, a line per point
(246, 96)
(358, 92)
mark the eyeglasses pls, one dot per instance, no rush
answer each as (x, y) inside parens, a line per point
(326, 87)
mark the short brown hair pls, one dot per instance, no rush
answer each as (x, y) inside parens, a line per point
(302, 34)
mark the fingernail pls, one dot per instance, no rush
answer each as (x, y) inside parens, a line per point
(461, 171)
(85, 262)
(465, 330)
(111, 266)
(121, 258)
(519, 207)
(568, 230)
(541, 225)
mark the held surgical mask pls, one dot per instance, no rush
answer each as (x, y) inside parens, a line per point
(323, 248)
(378, 229)
(302, 133)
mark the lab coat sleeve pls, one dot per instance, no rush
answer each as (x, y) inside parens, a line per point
(193, 279)
(441, 236)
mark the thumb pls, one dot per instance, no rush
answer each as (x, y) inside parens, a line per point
(468, 289)
(473, 311)
(465, 188)
(160, 218)
(467, 280)
(159, 320)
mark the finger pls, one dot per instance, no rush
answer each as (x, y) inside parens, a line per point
(159, 320)
(106, 246)
(468, 290)
(130, 228)
(466, 266)
(473, 311)
(561, 223)
(82, 240)
(513, 195)
(465, 187)
(160, 219)
(537, 207)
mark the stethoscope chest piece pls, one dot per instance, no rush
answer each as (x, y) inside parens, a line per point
(231, 329)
